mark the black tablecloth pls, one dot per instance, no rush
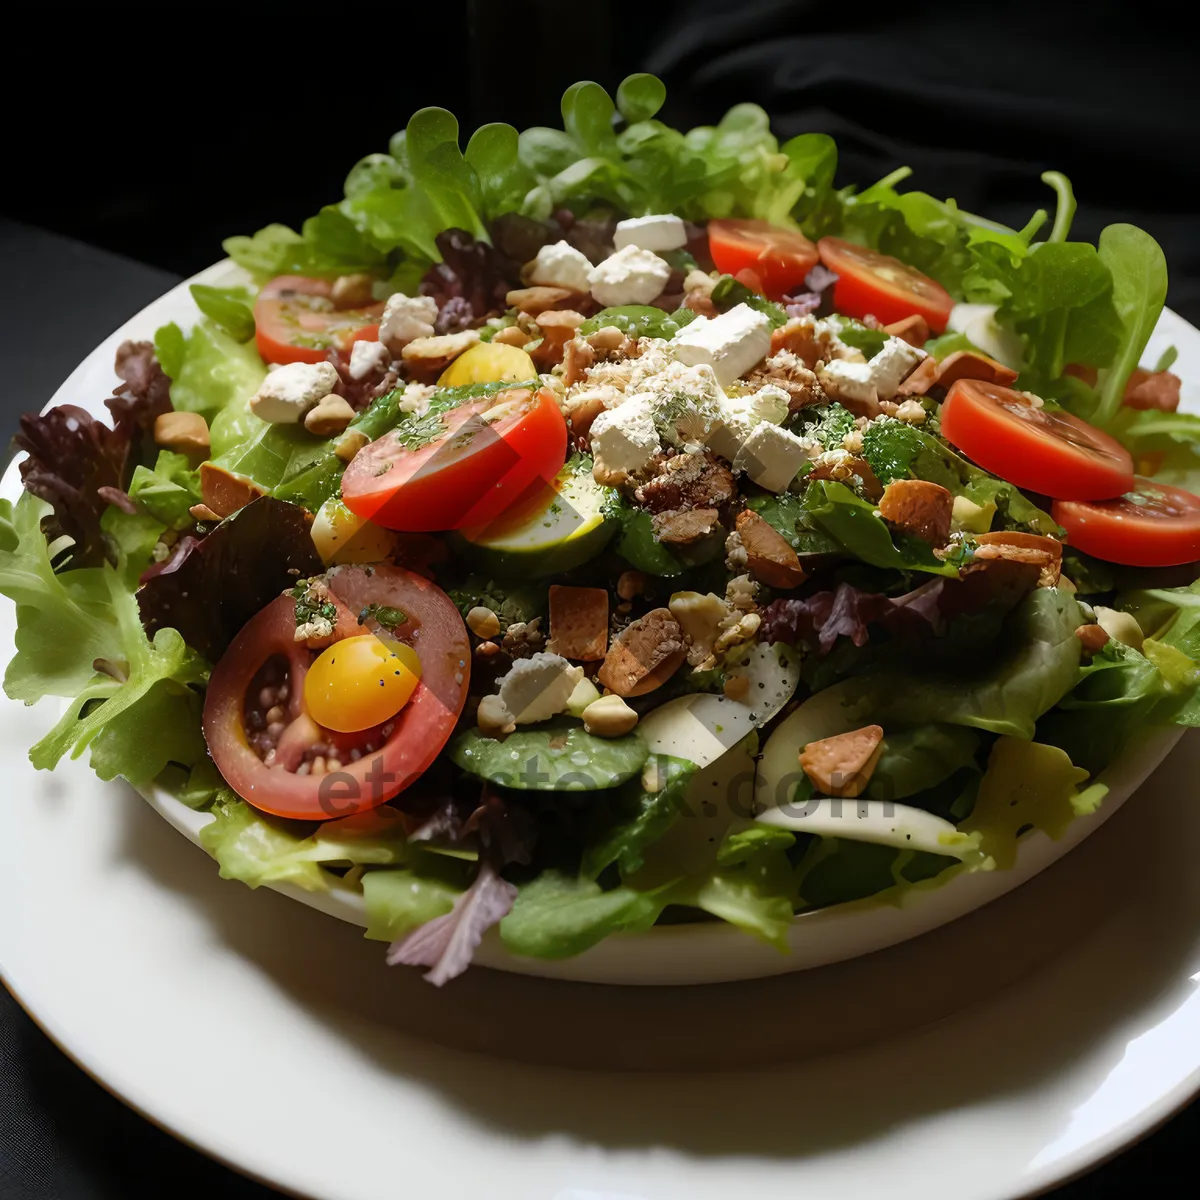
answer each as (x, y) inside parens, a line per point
(62, 1137)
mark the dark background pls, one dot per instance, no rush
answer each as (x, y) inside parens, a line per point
(153, 133)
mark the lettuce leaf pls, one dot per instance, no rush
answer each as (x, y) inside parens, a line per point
(209, 370)
(257, 849)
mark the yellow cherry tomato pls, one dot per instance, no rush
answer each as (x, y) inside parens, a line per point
(489, 362)
(360, 682)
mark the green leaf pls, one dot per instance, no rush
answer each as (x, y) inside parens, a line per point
(493, 155)
(729, 292)
(227, 308)
(398, 902)
(1064, 213)
(257, 849)
(167, 491)
(1139, 291)
(587, 111)
(914, 760)
(640, 96)
(209, 370)
(441, 173)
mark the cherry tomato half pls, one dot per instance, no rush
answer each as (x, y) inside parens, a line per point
(884, 287)
(462, 468)
(295, 321)
(393, 754)
(1050, 452)
(1151, 525)
(778, 258)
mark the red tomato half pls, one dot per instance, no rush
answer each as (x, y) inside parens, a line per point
(1152, 525)
(779, 258)
(396, 753)
(460, 469)
(882, 286)
(295, 321)
(1053, 453)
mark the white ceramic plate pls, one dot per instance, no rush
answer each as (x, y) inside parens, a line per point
(710, 952)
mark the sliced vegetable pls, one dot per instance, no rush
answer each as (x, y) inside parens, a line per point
(489, 362)
(1031, 446)
(876, 284)
(1151, 525)
(296, 321)
(778, 258)
(360, 682)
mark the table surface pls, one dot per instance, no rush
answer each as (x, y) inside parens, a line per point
(62, 1136)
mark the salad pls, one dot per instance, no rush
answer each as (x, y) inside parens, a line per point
(609, 525)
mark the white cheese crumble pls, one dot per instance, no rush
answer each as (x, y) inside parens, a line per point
(538, 687)
(406, 318)
(288, 392)
(631, 276)
(660, 231)
(731, 343)
(366, 357)
(561, 265)
(772, 456)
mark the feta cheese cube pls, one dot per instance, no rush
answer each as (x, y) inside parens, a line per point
(873, 380)
(538, 688)
(288, 392)
(561, 265)
(406, 318)
(772, 456)
(631, 276)
(366, 357)
(686, 403)
(740, 414)
(662, 231)
(848, 381)
(624, 439)
(892, 365)
(731, 344)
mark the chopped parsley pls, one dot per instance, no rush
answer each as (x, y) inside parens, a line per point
(383, 615)
(312, 604)
(420, 431)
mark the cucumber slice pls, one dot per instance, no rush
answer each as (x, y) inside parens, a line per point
(563, 525)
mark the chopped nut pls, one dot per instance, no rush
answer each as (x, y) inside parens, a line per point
(494, 719)
(741, 591)
(535, 300)
(185, 432)
(843, 765)
(224, 492)
(1043, 552)
(578, 357)
(919, 508)
(513, 335)
(914, 330)
(1120, 626)
(584, 408)
(482, 622)
(737, 687)
(486, 650)
(1152, 389)
(685, 528)
(702, 617)
(1093, 638)
(645, 655)
(843, 467)
(431, 355)
(523, 638)
(768, 555)
(557, 329)
(607, 340)
(631, 584)
(609, 716)
(738, 629)
(203, 513)
(578, 622)
(970, 364)
(350, 443)
(852, 443)
(330, 417)
(921, 379)
(911, 412)
(352, 291)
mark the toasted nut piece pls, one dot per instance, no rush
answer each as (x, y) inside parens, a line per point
(431, 355)
(203, 513)
(352, 291)
(737, 687)
(350, 443)
(482, 622)
(768, 556)
(608, 339)
(534, 300)
(578, 358)
(918, 507)
(685, 528)
(557, 329)
(911, 412)
(224, 492)
(487, 650)
(920, 380)
(186, 432)
(1043, 552)
(578, 622)
(513, 335)
(969, 364)
(330, 417)
(843, 765)
(1120, 626)
(609, 716)
(493, 718)
(631, 584)
(645, 655)
(583, 410)
(842, 471)
(914, 330)
(1152, 389)
(1093, 638)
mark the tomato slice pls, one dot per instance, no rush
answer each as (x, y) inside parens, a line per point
(1151, 525)
(875, 284)
(778, 258)
(462, 467)
(295, 321)
(1053, 453)
(396, 753)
